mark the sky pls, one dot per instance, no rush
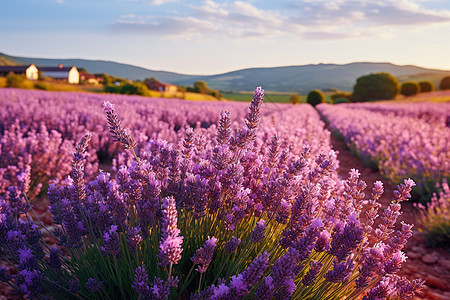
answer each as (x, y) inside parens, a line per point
(217, 36)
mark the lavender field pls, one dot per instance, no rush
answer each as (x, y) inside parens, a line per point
(401, 139)
(170, 199)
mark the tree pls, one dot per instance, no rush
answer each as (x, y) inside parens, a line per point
(340, 95)
(375, 86)
(135, 88)
(315, 97)
(409, 88)
(200, 87)
(294, 98)
(426, 86)
(445, 83)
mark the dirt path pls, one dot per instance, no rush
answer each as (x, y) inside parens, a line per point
(433, 265)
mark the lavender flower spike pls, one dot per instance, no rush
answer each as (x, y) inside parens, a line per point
(258, 232)
(115, 128)
(94, 285)
(314, 270)
(204, 255)
(170, 247)
(140, 284)
(255, 106)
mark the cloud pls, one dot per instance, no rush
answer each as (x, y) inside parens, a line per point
(310, 19)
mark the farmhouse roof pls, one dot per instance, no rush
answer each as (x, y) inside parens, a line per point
(14, 69)
(55, 69)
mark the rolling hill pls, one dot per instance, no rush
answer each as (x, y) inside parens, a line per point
(283, 79)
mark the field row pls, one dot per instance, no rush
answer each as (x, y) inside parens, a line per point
(39, 129)
(401, 139)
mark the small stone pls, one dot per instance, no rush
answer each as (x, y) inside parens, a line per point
(418, 249)
(413, 255)
(412, 269)
(444, 263)
(429, 259)
(436, 282)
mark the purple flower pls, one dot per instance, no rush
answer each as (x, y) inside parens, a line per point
(140, 284)
(133, 238)
(112, 242)
(232, 245)
(115, 128)
(379, 292)
(284, 268)
(258, 233)
(94, 285)
(347, 239)
(160, 289)
(341, 271)
(372, 260)
(312, 273)
(28, 282)
(393, 264)
(170, 250)
(265, 291)
(221, 291)
(170, 246)
(26, 259)
(255, 270)
(74, 285)
(407, 289)
(4, 277)
(223, 129)
(54, 259)
(323, 241)
(204, 255)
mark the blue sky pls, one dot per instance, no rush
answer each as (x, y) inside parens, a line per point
(217, 36)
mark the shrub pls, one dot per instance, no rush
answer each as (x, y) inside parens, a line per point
(434, 218)
(409, 88)
(135, 88)
(41, 86)
(341, 100)
(445, 83)
(315, 97)
(113, 89)
(18, 81)
(211, 219)
(376, 86)
(342, 95)
(294, 99)
(426, 86)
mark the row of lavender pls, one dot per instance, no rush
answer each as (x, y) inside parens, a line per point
(401, 139)
(253, 212)
(38, 129)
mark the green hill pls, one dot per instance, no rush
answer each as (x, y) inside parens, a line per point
(299, 79)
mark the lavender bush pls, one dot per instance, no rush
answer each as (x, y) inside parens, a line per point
(434, 218)
(402, 140)
(31, 158)
(236, 216)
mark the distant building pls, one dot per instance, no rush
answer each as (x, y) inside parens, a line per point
(90, 78)
(60, 72)
(30, 72)
(155, 85)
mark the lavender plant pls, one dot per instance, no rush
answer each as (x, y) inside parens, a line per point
(434, 217)
(401, 139)
(237, 216)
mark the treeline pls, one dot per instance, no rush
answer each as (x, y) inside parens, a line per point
(373, 87)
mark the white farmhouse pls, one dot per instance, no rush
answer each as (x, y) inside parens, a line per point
(30, 72)
(70, 74)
